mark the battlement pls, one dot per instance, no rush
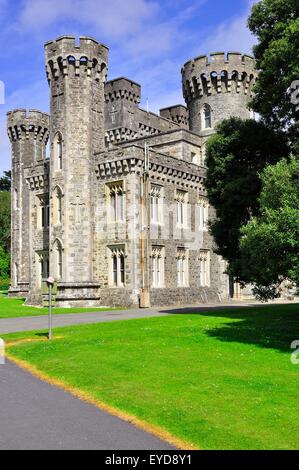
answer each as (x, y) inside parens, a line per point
(178, 114)
(122, 89)
(64, 57)
(215, 73)
(23, 124)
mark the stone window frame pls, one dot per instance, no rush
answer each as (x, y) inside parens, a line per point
(206, 117)
(58, 205)
(204, 268)
(43, 211)
(182, 258)
(58, 151)
(203, 208)
(157, 204)
(43, 267)
(57, 256)
(182, 201)
(116, 201)
(117, 266)
(158, 267)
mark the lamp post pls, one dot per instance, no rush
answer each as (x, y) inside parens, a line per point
(50, 282)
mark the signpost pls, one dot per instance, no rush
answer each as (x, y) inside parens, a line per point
(50, 282)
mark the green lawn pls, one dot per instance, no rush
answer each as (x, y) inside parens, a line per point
(14, 308)
(218, 379)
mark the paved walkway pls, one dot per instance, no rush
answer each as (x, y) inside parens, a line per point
(12, 325)
(36, 416)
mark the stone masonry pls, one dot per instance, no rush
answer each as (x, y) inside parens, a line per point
(118, 213)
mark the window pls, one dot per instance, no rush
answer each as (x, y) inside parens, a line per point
(194, 158)
(156, 205)
(206, 117)
(16, 199)
(182, 208)
(116, 202)
(204, 260)
(203, 214)
(157, 266)
(59, 260)
(58, 151)
(117, 267)
(45, 267)
(182, 267)
(43, 215)
(57, 203)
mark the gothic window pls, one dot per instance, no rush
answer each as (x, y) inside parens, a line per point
(206, 117)
(116, 198)
(117, 266)
(58, 206)
(43, 267)
(58, 151)
(194, 158)
(16, 199)
(182, 208)
(157, 266)
(182, 267)
(156, 195)
(58, 256)
(204, 263)
(203, 214)
(43, 216)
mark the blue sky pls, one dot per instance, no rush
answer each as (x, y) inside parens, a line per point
(149, 41)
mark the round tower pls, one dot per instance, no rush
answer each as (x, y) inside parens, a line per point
(28, 133)
(217, 87)
(77, 74)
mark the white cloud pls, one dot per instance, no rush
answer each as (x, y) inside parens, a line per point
(113, 17)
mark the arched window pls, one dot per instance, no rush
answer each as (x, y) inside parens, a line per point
(58, 151)
(57, 206)
(58, 255)
(206, 117)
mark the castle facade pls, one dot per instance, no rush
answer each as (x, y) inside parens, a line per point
(118, 213)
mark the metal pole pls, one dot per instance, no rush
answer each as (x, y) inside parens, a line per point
(50, 312)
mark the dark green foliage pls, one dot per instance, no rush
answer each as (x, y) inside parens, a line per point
(236, 156)
(5, 181)
(276, 25)
(270, 242)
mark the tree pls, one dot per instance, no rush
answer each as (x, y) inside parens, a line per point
(276, 25)
(5, 181)
(270, 242)
(5, 220)
(4, 264)
(236, 156)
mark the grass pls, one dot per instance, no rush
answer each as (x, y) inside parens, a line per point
(15, 308)
(216, 379)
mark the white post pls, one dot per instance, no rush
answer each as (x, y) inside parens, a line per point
(2, 352)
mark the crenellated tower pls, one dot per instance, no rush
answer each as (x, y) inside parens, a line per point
(76, 75)
(28, 133)
(217, 87)
(178, 114)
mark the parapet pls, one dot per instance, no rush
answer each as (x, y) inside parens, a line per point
(178, 114)
(122, 89)
(23, 124)
(89, 57)
(205, 74)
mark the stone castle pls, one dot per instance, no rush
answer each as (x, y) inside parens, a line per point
(117, 212)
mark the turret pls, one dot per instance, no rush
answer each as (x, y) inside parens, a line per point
(217, 87)
(76, 75)
(29, 134)
(178, 114)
